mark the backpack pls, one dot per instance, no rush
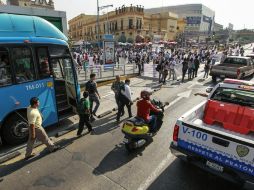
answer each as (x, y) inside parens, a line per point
(158, 68)
(80, 107)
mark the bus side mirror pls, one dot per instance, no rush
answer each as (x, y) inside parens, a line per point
(209, 89)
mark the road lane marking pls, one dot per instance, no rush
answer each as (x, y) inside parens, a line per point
(167, 161)
(172, 103)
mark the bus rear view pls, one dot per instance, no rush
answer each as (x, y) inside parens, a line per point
(35, 61)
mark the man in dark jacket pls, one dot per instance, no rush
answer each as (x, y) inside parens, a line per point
(197, 64)
(185, 68)
(91, 88)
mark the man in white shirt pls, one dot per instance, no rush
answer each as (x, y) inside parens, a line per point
(125, 100)
(172, 69)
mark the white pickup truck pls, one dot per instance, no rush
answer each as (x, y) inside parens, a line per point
(218, 134)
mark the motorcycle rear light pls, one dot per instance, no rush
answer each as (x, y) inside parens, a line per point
(135, 129)
(175, 134)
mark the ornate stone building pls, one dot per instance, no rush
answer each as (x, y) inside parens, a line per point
(48, 4)
(126, 24)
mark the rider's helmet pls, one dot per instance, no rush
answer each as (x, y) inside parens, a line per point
(145, 95)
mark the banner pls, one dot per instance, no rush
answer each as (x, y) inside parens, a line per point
(109, 50)
(193, 20)
(207, 19)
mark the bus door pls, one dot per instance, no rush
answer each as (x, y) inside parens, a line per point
(65, 85)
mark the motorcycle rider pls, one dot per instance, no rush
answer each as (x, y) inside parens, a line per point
(144, 107)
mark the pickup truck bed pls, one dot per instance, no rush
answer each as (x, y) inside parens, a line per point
(212, 148)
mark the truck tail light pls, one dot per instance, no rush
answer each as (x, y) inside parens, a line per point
(175, 134)
(238, 73)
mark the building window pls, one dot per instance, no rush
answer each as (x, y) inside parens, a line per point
(116, 28)
(139, 24)
(122, 24)
(130, 23)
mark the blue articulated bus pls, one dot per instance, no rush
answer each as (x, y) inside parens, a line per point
(35, 61)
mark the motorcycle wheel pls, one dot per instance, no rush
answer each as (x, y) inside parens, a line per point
(129, 147)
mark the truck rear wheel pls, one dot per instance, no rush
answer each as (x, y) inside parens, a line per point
(15, 130)
(214, 78)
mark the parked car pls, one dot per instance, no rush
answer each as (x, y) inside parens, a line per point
(251, 55)
(233, 67)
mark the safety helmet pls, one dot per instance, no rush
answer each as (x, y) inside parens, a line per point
(145, 95)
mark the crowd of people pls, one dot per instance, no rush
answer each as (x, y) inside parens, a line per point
(166, 63)
(169, 63)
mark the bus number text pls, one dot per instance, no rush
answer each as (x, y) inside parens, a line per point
(35, 86)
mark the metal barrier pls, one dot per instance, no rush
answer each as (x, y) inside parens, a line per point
(106, 72)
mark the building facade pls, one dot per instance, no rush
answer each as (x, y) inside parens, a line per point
(125, 23)
(199, 19)
(48, 4)
(217, 27)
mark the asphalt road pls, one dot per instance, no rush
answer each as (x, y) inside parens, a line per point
(100, 161)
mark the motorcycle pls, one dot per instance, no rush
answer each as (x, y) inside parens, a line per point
(137, 132)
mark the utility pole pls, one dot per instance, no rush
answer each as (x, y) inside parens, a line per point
(106, 7)
(97, 31)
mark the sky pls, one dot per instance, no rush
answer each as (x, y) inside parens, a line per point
(236, 12)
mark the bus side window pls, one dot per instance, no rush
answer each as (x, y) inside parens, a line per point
(43, 62)
(5, 68)
(23, 62)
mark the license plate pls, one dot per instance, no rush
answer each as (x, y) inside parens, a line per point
(222, 76)
(125, 140)
(214, 166)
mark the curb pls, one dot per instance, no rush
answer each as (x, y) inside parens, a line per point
(105, 113)
(68, 130)
(9, 156)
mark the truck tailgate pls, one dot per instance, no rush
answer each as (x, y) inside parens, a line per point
(225, 68)
(221, 148)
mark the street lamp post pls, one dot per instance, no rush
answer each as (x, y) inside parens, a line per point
(106, 7)
(97, 31)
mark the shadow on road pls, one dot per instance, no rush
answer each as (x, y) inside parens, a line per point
(183, 176)
(106, 124)
(6, 170)
(115, 159)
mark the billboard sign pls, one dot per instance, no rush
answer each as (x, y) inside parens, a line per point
(109, 52)
(193, 20)
(207, 19)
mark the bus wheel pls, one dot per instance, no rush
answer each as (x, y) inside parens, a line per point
(15, 130)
